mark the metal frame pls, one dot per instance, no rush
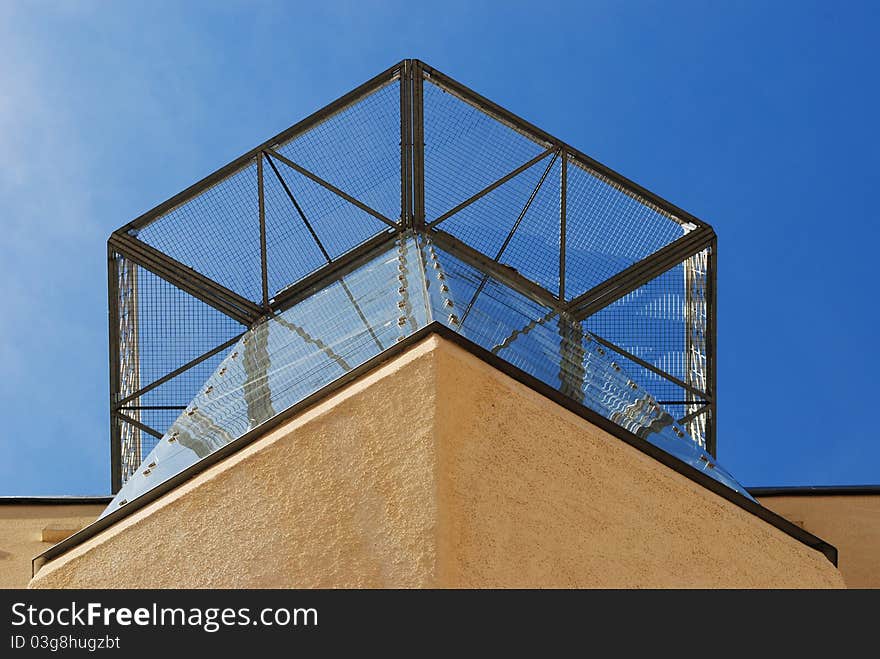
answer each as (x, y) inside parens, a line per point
(114, 350)
(411, 75)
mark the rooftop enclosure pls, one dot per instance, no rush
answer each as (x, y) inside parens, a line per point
(410, 201)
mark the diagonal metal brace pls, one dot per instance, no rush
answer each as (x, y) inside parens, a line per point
(332, 188)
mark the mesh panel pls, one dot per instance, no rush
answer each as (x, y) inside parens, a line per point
(174, 327)
(127, 328)
(652, 323)
(607, 230)
(283, 359)
(358, 150)
(174, 394)
(161, 328)
(486, 223)
(217, 233)
(534, 247)
(649, 322)
(291, 250)
(465, 150)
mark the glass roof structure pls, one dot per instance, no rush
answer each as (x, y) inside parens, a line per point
(412, 200)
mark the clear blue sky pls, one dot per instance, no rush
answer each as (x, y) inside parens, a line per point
(759, 117)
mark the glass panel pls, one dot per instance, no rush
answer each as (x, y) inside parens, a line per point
(557, 351)
(284, 359)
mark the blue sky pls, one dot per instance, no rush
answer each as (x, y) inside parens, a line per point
(760, 118)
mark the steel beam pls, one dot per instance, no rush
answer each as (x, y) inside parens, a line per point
(138, 424)
(693, 415)
(264, 274)
(185, 278)
(638, 274)
(563, 217)
(712, 347)
(503, 273)
(406, 144)
(418, 144)
(151, 407)
(113, 320)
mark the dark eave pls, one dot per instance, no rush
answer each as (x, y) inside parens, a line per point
(814, 490)
(64, 500)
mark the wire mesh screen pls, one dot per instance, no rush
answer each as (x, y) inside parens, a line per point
(160, 330)
(663, 323)
(304, 217)
(465, 150)
(127, 358)
(174, 328)
(486, 223)
(608, 229)
(216, 232)
(358, 149)
(307, 225)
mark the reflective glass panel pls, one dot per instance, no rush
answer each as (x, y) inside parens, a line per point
(285, 358)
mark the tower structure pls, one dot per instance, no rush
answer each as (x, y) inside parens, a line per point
(411, 202)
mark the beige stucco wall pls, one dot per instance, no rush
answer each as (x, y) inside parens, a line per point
(22, 530)
(438, 470)
(849, 522)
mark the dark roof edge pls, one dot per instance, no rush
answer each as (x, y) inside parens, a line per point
(522, 377)
(72, 500)
(814, 490)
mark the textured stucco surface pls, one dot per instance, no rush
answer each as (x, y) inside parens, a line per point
(21, 532)
(438, 470)
(849, 522)
(533, 495)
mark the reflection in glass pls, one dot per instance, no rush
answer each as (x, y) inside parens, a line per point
(287, 357)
